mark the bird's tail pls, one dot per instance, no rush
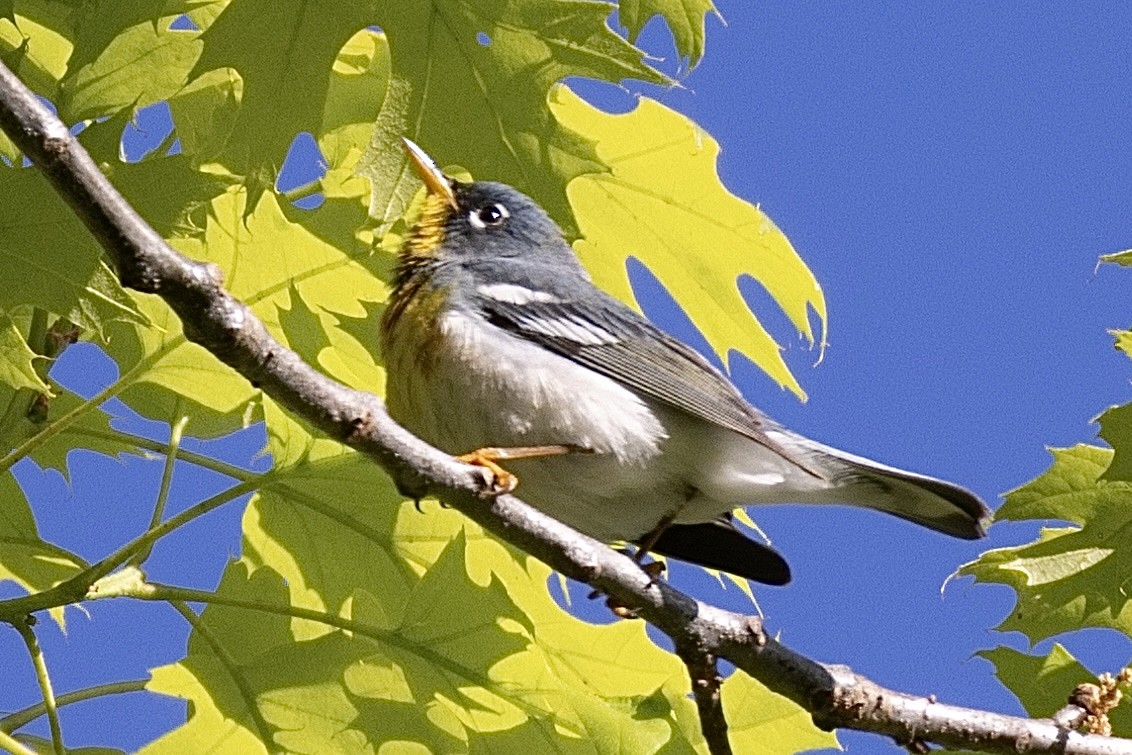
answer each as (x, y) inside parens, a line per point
(719, 545)
(935, 504)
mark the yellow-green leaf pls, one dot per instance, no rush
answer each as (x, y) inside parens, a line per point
(662, 202)
(144, 62)
(1118, 258)
(1116, 429)
(760, 721)
(1043, 683)
(17, 360)
(685, 19)
(1122, 340)
(493, 64)
(1071, 577)
(25, 558)
(276, 64)
(280, 268)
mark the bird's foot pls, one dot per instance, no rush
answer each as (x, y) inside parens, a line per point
(503, 481)
(653, 569)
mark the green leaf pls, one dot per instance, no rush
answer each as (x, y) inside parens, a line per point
(267, 122)
(8, 149)
(49, 260)
(37, 45)
(172, 196)
(305, 331)
(208, 728)
(336, 687)
(164, 375)
(204, 113)
(494, 63)
(26, 559)
(125, 57)
(359, 84)
(1043, 683)
(17, 360)
(1123, 340)
(268, 259)
(1068, 490)
(461, 648)
(87, 428)
(1070, 577)
(760, 721)
(1118, 258)
(685, 19)
(674, 215)
(1116, 429)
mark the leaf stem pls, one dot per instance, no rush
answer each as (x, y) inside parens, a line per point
(176, 432)
(13, 745)
(75, 589)
(302, 191)
(62, 423)
(19, 718)
(183, 454)
(40, 663)
(230, 665)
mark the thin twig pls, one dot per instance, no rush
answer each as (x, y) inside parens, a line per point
(44, 679)
(13, 745)
(23, 717)
(73, 590)
(176, 431)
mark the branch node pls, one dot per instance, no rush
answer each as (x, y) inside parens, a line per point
(754, 626)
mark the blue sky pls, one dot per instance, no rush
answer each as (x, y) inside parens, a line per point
(951, 172)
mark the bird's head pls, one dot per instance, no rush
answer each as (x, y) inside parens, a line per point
(469, 223)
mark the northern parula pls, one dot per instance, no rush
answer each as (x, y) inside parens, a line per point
(498, 346)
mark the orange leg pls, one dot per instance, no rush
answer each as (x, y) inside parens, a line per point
(504, 481)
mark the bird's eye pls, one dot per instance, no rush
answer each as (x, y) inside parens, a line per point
(488, 216)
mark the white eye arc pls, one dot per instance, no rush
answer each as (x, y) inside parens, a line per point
(488, 216)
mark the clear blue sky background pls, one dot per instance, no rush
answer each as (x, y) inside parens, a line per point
(950, 171)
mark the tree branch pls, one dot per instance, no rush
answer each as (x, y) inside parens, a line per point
(214, 319)
(706, 681)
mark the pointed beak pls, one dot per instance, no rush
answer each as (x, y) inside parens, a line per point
(435, 181)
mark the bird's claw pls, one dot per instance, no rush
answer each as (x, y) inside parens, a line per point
(653, 570)
(498, 480)
(501, 480)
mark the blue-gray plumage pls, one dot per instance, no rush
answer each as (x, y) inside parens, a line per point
(495, 337)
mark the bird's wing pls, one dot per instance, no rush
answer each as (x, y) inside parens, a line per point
(598, 332)
(607, 337)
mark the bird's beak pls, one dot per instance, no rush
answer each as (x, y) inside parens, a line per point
(435, 181)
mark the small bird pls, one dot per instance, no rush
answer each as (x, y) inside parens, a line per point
(498, 347)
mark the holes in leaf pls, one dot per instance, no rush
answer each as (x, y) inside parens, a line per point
(183, 23)
(303, 166)
(146, 131)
